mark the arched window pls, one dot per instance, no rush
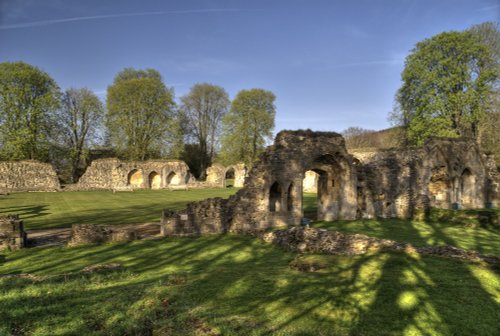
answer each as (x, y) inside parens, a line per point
(172, 179)
(135, 178)
(290, 199)
(154, 180)
(229, 177)
(275, 197)
(467, 191)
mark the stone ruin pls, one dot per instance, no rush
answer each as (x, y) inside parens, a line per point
(444, 173)
(27, 175)
(115, 174)
(218, 175)
(12, 235)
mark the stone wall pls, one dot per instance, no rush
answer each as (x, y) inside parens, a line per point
(28, 175)
(114, 174)
(444, 173)
(217, 173)
(12, 235)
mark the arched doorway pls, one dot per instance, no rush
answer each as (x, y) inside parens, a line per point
(467, 189)
(229, 178)
(275, 194)
(440, 188)
(154, 180)
(173, 179)
(135, 179)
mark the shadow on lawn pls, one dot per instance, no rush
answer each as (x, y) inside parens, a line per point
(27, 211)
(242, 286)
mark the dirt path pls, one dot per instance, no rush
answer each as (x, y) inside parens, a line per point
(59, 237)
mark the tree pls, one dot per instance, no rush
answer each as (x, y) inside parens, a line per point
(140, 111)
(489, 137)
(446, 84)
(204, 107)
(80, 118)
(29, 98)
(248, 126)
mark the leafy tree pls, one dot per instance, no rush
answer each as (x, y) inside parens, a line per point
(204, 107)
(248, 126)
(140, 113)
(489, 136)
(29, 98)
(80, 118)
(446, 83)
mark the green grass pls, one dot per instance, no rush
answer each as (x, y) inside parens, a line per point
(237, 285)
(44, 210)
(485, 240)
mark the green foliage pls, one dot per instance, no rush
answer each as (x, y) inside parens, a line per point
(237, 285)
(80, 119)
(446, 84)
(248, 126)
(204, 107)
(140, 111)
(29, 98)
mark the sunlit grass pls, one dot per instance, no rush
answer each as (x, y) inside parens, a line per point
(236, 285)
(62, 209)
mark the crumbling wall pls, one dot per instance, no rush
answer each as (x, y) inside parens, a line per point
(216, 175)
(115, 174)
(12, 235)
(28, 175)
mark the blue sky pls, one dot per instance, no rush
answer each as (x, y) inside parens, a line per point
(332, 64)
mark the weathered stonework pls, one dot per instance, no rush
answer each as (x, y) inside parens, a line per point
(217, 175)
(114, 174)
(445, 173)
(12, 235)
(28, 175)
(83, 234)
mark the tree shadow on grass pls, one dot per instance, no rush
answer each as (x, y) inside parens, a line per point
(26, 211)
(239, 285)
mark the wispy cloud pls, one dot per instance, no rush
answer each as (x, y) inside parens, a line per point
(368, 63)
(488, 8)
(112, 16)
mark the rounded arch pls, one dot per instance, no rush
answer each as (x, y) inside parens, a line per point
(154, 180)
(229, 177)
(135, 178)
(275, 196)
(439, 187)
(172, 178)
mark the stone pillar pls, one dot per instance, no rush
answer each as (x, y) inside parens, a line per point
(12, 235)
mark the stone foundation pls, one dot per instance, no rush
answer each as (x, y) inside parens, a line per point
(12, 235)
(83, 234)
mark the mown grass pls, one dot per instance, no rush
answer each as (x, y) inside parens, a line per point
(237, 285)
(44, 210)
(434, 231)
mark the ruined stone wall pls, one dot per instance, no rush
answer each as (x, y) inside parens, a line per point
(204, 217)
(114, 174)
(216, 175)
(444, 173)
(310, 182)
(28, 175)
(12, 235)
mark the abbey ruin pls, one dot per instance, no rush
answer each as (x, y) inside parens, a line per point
(445, 173)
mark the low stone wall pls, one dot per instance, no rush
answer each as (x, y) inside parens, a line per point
(28, 175)
(83, 234)
(12, 235)
(209, 216)
(312, 240)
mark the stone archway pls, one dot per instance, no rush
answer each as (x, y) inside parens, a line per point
(440, 188)
(229, 177)
(135, 179)
(173, 179)
(467, 189)
(275, 197)
(154, 180)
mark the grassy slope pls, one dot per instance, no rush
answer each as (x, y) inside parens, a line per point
(236, 285)
(62, 209)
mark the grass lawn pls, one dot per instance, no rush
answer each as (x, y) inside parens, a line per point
(237, 285)
(419, 233)
(42, 210)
